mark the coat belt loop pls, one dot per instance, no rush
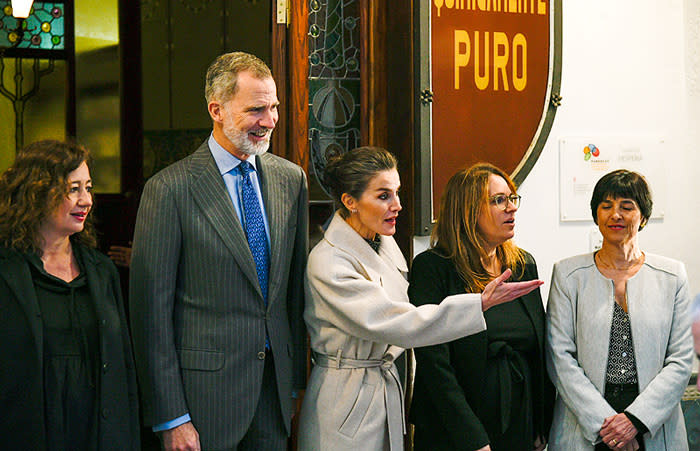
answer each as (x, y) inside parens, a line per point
(338, 358)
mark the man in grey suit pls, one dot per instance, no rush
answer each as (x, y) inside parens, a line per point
(216, 290)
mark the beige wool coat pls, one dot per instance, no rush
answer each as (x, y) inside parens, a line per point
(359, 320)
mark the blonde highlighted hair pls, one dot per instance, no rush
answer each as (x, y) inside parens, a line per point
(456, 235)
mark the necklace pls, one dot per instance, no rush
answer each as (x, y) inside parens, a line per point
(632, 264)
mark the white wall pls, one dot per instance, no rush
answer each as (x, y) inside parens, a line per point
(630, 68)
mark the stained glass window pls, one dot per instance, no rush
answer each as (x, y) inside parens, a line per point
(29, 49)
(46, 33)
(334, 79)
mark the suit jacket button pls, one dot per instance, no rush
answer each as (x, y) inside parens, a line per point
(261, 355)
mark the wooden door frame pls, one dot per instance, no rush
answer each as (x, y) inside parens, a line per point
(290, 68)
(386, 99)
(131, 98)
(116, 212)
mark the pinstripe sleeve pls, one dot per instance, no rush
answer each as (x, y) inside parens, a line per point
(295, 293)
(154, 263)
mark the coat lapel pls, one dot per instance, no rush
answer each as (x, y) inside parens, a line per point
(210, 194)
(15, 270)
(534, 309)
(92, 267)
(377, 266)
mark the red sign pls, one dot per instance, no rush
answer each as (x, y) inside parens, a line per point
(491, 77)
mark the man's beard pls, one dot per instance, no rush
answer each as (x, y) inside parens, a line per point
(240, 140)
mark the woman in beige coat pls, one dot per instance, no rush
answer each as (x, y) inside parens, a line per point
(359, 317)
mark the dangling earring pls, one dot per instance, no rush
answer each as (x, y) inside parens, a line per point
(353, 211)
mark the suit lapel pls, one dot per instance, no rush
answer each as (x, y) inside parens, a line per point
(275, 193)
(15, 270)
(210, 194)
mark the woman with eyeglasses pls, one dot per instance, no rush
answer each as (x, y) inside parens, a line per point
(619, 348)
(487, 391)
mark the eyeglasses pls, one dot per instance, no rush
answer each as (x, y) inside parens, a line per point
(501, 200)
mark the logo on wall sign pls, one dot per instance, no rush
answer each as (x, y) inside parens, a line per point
(589, 151)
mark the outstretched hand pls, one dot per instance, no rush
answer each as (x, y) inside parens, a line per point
(499, 291)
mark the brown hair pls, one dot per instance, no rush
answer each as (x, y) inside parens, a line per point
(456, 235)
(627, 184)
(352, 171)
(222, 74)
(33, 187)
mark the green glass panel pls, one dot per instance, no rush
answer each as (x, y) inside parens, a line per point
(314, 59)
(44, 115)
(334, 82)
(314, 30)
(46, 20)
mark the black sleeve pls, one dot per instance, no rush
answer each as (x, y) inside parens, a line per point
(641, 428)
(428, 285)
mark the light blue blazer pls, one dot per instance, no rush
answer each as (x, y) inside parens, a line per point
(579, 318)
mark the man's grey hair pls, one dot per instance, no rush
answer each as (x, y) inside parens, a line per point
(222, 75)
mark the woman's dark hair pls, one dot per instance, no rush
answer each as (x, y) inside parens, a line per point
(623, 183)
(351, 172)
(33, 187)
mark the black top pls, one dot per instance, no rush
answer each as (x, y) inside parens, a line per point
(487, 388)
(374, 243)
(622, 368)
(509, 322)
(512, 353)
(70, 356)
(22, 366)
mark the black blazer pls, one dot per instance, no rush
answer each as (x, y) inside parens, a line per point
(21, 357)
(447, 400)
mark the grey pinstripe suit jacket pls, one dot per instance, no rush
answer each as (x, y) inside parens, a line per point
(197, 312)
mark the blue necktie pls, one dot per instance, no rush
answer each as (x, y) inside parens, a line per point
(254, 227)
